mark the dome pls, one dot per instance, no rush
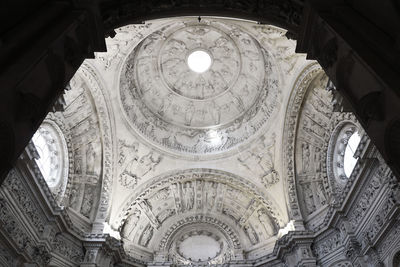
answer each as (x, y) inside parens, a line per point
(199, 113)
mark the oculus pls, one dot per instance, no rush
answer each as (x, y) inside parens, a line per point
(199, 61)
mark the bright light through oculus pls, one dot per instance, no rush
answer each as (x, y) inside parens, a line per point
(349, 160)
(199, 61)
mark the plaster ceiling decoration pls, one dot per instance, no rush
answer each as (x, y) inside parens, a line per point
(198, 123)
(193, 113)
(188, 197)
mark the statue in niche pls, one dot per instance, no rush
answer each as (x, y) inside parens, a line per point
(189, 113)
(90, 159)
(309, 199)
(78, 162)
(318, 159)
(251, 234)
(177, 198)
(215, 113)
(266, 222)
(131, 223)
(73, 197)
(305, 156)
(189, 196)
(87, 202)
(147, 235)
(320, 192)
(199, 186)
(211, 194)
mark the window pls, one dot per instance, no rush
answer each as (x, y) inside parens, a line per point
(342, 157)
(349, 161)
(53, 159)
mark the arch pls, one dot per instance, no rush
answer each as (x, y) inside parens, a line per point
(229, 233)
(294, 106)
(99, 182)
(102, 105)
(212, 175)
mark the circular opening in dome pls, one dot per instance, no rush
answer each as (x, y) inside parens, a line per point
(349, 159)
(199, 61)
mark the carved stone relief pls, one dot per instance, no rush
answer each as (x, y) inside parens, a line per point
(289, 136)
(135, 164)
(197, 192)
(260, 160)
(312, 138)
(82, 120)
(192, 113)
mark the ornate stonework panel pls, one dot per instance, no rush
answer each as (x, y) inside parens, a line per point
(134, 165)
(312, 137)
(194, 113)
(198, 193)
(82, 119)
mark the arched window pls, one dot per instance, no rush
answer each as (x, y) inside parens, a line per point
(342, 150)
(53, 154)
(349, 160)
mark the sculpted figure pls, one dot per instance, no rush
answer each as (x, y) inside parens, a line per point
(189, 196)
(131, 223)
(321, 194)
(210, 195)
(147, 234)
(90, 159)
(309, 199)
(87, 202)
(251, 234)
(266, 222)
(73, 199)
(189, 113)
(305, 156)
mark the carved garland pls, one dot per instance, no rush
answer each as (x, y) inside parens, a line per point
(289, 135)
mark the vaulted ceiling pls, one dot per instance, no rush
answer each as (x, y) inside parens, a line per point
(169, 157)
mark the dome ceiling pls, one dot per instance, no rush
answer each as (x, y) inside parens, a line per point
(197, 149)
(199, 113)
